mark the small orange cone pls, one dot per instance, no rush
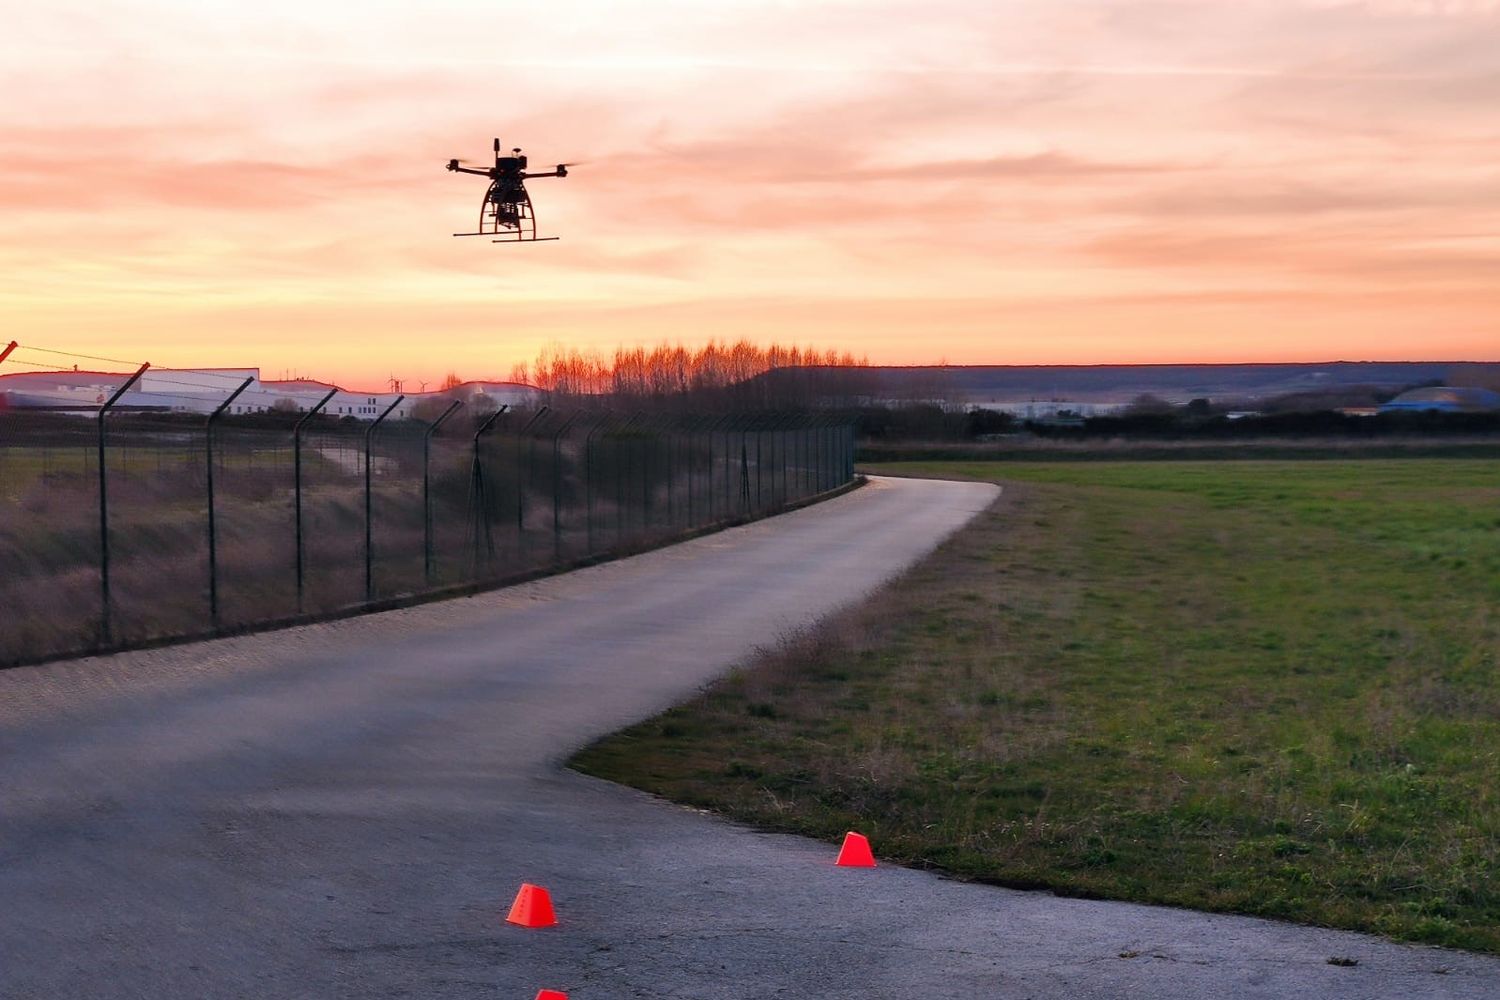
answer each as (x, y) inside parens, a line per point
(551, 995)
(856, 852)
(532, 908)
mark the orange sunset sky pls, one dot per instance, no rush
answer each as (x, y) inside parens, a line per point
(197, 182)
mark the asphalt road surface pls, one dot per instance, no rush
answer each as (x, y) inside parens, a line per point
(347, 810)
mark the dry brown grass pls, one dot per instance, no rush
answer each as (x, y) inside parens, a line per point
(50, 545)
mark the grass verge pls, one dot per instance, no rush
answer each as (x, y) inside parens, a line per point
(1258, 687)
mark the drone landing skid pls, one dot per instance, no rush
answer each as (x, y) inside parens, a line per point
(513, 239)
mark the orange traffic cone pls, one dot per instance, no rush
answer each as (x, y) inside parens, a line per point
(551, 995)
(856, 852)
(532, 908)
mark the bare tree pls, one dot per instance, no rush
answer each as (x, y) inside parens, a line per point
(737, 375)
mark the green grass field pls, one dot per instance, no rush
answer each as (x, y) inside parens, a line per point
(1260, 687)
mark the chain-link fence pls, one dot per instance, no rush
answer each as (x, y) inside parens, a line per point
(116, 530)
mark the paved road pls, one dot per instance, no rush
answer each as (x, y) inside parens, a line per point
(345, 810)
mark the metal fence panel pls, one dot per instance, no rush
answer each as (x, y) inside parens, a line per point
(195, 526)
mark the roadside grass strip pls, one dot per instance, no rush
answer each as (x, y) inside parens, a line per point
(1269, 688)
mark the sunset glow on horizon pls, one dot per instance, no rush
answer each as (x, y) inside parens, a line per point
(1027, 182)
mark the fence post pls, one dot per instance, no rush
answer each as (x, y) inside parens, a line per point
(713, 496)
(213, 535)
(297, 486)
(369, 503)
(814, 455)
(843, 464)
(833, 448)
(648, 441)
(690, 438)
(427, 556)
(622, 463)
(708, 469)
(803, 453)
(833, 455)
(843, 446)
(728, 467)
(784, 435)
(810, 454)
(789, 471)
(760, 495)
(838, 454)
(476, 484)
(817, 454)
(744, 472)
(521, 488)
(622, 458)
(828, 453)
(789, 461)
(669, 426)
(822, 449)
(775, 430)
(802, 446)
(588, 479)
(708, 478)
(851, 442)
(557, 437)
(814, 426)
(106, 632)
(8, 348)
(846, 449)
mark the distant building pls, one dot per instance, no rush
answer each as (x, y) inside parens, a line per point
(492, 395)
(1445, 399)
(1052, 409)
(201, 390)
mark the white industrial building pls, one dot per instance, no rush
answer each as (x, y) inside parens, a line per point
(202, 390)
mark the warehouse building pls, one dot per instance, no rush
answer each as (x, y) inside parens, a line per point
(1445, 399)
(202, 390)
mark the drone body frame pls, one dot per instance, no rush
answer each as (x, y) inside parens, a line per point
(506, 213)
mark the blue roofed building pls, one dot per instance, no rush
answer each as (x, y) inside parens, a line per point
(1445, 399)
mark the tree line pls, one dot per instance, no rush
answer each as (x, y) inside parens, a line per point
(738, 376)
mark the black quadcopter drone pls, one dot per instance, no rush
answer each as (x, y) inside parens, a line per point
(506, 211)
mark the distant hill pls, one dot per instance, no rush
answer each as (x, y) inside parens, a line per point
(1173, 382)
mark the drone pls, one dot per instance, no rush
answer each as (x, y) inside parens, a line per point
(506, 210)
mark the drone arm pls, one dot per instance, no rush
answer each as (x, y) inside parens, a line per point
(559, 172)
(453, 165)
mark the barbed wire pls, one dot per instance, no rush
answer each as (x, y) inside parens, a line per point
(71, 354)
(13, 360)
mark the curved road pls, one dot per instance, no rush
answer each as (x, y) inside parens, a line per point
(345, 810)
